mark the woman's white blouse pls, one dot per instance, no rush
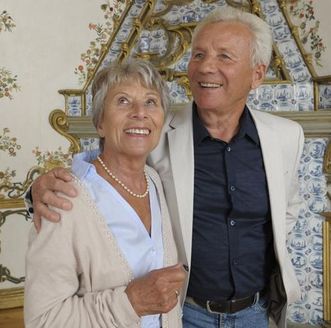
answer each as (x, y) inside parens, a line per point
(142, 251)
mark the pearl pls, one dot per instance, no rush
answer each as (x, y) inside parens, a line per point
(122, 184)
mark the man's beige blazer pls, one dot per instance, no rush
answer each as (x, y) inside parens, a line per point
(281, 142)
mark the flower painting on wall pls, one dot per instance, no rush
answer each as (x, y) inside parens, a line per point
(311, 18)
(103, 31)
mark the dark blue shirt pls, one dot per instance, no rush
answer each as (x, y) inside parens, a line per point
(232, 248)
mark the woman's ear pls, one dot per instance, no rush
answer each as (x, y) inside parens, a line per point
(100, 130)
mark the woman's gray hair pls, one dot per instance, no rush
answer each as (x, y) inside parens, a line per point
(116, 73)
(261, 46)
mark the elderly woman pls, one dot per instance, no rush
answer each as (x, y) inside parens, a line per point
(112, 260)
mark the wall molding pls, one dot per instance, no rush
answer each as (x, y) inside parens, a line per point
(315, 124)
(11, 297)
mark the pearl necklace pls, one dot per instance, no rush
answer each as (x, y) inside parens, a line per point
(122, 184)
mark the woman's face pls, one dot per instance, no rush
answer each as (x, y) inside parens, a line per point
(132, 120)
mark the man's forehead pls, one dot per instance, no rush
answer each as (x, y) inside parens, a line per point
(237, 30)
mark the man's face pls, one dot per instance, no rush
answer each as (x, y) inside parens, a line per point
(220, 70)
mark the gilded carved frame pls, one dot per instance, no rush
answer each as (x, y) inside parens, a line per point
(14, 205)
(326, 267)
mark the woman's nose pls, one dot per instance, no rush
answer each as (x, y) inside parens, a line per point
(139, 110)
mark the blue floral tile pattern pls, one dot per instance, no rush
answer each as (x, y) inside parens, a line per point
(74, 106)
(325, 96)
(89, 143)
(305, 242)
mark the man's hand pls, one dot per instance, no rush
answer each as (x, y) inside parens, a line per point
(43, 195)
(156, 292)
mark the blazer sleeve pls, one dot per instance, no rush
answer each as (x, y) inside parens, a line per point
(53, 281)
(294, 199)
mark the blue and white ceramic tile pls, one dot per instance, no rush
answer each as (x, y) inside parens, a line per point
(291, 55)
(262, 98)
(304, 96)
(159, 42)
(298, 314)
(316, 279)
(74, 106)
(271, 75)
(283, 96)
(181, 65)
(177, 93)
(144, 42)
(305, 242)
(89, 143)
(316, 316)
(89, 101)
(160, 6)
(325, 96)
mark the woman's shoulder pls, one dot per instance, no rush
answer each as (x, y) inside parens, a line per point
(82, 201)
(79, 186)
(83, 215)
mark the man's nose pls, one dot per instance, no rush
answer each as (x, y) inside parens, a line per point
(208, 65)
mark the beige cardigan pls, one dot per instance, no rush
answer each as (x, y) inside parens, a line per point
(76, 274)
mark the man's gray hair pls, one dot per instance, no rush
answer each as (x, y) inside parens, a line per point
(261, 47)
(117, 73)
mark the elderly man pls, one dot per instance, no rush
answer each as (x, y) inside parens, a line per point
(230, 179)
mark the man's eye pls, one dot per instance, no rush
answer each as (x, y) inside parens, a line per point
(224, 56)
(197, 55)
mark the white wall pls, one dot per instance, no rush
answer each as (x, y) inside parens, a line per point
(42, 49)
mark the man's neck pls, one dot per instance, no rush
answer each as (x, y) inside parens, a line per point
(221, 125)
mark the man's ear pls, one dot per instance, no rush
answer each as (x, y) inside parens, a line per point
(259, 72)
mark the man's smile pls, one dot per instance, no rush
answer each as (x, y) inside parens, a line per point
(210, 85)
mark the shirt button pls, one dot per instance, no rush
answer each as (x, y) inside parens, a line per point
(232, 223)
(228, 148)
(235, 261)
(232, 188)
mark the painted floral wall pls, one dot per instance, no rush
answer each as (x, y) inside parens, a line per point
(46, 46)
(308, 16)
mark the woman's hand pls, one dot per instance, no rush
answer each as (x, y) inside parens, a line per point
(44, 195)
(156, 292)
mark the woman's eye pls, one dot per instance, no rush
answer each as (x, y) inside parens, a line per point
(151, 102)
(123, 100)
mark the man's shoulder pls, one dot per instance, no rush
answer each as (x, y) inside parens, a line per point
(175, 108)
(179, 112)
(274, 119)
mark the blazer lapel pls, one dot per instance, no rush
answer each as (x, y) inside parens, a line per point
(180, 139)
(274, 168)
